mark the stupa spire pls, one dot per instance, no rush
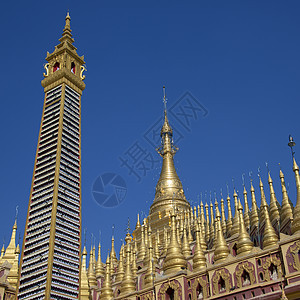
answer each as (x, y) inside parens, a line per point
(247, 211)
(91, 270)
(296, 221)
(84, 284)
(244, 243)
(221, 248)
(128, 284)
(174, 261)
(223, 218)
(263, 202)
(286, 214)
(274, 205)
(207, 234)
(99, 265)
(254, 219)
(229, 219)
(235, 227)
(106, 290)
(67, 35)
(169, 188)
(199, 260)
(270, 237)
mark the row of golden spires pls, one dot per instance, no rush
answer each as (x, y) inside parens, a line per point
(188, 229)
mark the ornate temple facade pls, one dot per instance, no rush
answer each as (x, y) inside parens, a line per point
(184, 252)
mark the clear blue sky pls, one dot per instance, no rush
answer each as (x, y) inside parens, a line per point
(239, 59)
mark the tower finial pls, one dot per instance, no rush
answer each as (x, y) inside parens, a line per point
(291, 144)
(128, 226)
(67, 35)
(113, 230)
(227, 189)
(17, 211)
(165, 99)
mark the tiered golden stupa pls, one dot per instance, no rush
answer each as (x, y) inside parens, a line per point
(178, 252)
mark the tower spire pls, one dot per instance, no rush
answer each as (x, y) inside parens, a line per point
(67, 35)
(169, 187)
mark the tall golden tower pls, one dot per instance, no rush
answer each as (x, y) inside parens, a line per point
(50, 261)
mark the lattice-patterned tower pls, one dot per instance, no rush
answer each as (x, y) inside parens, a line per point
(50, 261)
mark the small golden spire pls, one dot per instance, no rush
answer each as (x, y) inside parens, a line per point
(236, 226)
(223, 223)
(178, 233)
(199, 260)
(138, 224)
(254, 219)
(147, 238)
(190, 237)
(84, 284)
(274, 208)
(11, 248)
(207, 233)
(94, 258)
(156, 249)
(244, 243)
(221, 248)
(11, 257)
(146, 233)
(128, 283)
(296, 221)
(133, 265)
(150, 264)
(174, 261)
(247, 212)
(286, 214)
(120, 272)
(263, 202)
(229, 219)
(91, 271)
(67, 35)
(142, 249)
(212, 221)
(186, 251)
(106, 290)
(113, 256)
(99, 266)
(202, 237)
(202, 218)
(270, 237)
